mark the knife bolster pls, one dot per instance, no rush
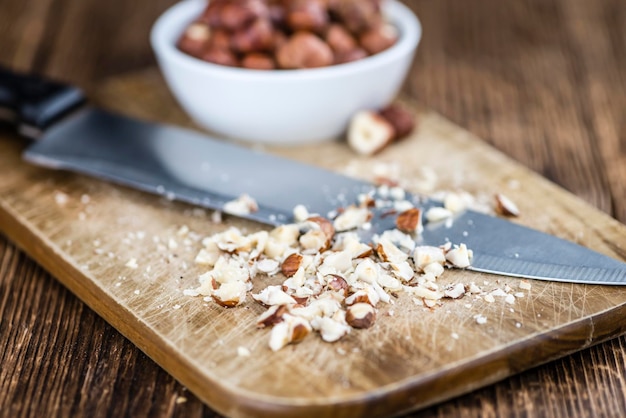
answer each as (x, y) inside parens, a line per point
(32, 103)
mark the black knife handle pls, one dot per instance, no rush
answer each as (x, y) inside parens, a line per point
(32, 103)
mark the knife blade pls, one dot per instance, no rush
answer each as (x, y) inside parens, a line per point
(186, 165)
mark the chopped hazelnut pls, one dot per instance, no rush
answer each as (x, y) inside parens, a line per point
(360, 315)
(369, 133)
(505, 206)
(410, 221)
(291, 264)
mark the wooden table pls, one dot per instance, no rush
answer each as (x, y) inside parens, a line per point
(542, 80)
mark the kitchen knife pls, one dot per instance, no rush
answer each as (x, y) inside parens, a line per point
(189, 166)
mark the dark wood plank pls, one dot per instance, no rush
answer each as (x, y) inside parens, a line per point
(545, 81)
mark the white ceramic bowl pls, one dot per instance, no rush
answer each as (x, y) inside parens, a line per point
(282, 106)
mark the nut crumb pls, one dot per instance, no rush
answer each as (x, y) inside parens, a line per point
(243, 352)
(243, 205)
(505, 206)
(132, 263)
(61, 198)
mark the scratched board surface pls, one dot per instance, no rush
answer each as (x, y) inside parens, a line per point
(123, 252)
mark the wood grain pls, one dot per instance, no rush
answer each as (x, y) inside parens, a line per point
(544, 81)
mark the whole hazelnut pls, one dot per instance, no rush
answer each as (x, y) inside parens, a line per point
(349, 56)
(339, 39)
(211, 14)
(195, 39)
(258, 61)
(277, 15)
(304, 50)
(378, 38)
(280, 39)
(220, 56)
(220, 38)
(236, 14)
(307, 15)
(356, 15)
(361, 315)
(257, 37)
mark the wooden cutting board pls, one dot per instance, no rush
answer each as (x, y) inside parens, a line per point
(85, 231)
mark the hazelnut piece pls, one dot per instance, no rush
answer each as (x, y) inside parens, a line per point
(325, 225)
(339, 39)
(272, 316)
(505, 206)
(369, 132)
(291, 264)
(410, 221)
(230, 294)
(336, 283)
(290, 331)
(360, 315)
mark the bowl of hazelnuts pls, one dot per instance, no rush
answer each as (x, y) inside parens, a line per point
(284, 71)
